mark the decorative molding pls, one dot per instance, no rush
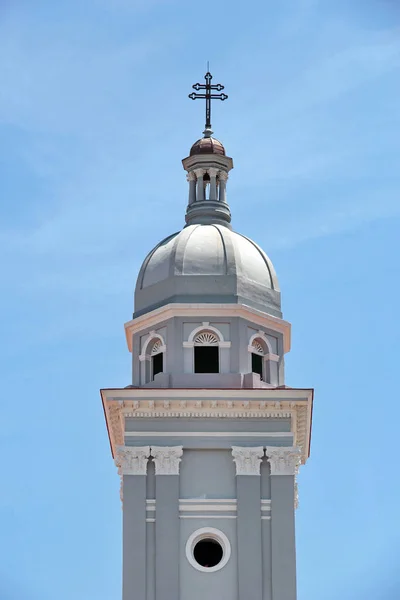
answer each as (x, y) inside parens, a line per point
(152, 336)
(248, 460)
(302, 426)
(167, 459)
(204, 328)
(213, 311)
(201, 413)
(115, 421)
(257, 348)
(206, 338)
(157, 347)
(283, 460)
(132, 460)
(259, 337)
(206, 516)
(293, 404)
(218, 434)
(273, 357)
(208, 507)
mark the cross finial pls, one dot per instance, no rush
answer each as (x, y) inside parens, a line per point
(208, 96)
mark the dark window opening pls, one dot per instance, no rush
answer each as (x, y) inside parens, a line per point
(206, 359)
(208, 553)
(157, 363)
(257, 364)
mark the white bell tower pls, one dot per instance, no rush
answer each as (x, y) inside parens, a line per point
(207, 438)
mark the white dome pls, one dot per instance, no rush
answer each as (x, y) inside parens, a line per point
(207, 263)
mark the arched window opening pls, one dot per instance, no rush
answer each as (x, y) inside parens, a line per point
(157, 359)
(206, 183)
(206, 353)
(258, 364)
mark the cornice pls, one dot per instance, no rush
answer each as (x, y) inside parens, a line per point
(154, 317)
(284, 394)
(242, 404)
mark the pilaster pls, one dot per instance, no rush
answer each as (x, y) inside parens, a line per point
(248, 489)
(132, 466)
(283, 462)
(167, 460)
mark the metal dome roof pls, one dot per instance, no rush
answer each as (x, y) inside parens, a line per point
(207, 263)
(207, 145)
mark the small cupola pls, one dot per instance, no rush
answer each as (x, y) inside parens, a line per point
(207, 167)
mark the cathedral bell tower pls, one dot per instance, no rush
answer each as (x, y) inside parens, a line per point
(207, 438)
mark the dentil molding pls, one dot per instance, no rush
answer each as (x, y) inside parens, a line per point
(167, 459)
(248, 460)
(132, 460)
(283, 460)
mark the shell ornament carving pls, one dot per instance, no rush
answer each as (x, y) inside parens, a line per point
(206, 338)
(156, 347)
(257, 347)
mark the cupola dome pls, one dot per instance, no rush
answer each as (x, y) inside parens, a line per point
(207, 263)
(207, 145)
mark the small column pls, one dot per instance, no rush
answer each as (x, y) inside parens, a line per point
(132, 466)
(223, 177)
(167, 459)
(284, 463)
(191, 178)
(200, 184)
(213, 184)
(248, 486)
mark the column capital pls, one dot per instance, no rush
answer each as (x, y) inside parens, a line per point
(212, 171)
(132, 460)
(283, 460)
(167, 459)
(248, 460)
(191, 176)
(199, 172)
(223, 176)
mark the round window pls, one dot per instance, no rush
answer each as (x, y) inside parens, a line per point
(208, 549)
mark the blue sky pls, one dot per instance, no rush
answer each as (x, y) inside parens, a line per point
(94, 120)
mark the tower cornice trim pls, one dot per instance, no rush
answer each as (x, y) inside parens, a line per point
(169, 311)
(139, 403)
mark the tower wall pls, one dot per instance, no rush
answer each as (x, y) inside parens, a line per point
(235, 358)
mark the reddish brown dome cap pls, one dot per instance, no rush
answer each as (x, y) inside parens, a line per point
(207, 145)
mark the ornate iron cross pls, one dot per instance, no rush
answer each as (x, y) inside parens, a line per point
(208, 95)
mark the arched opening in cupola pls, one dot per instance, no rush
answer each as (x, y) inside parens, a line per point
(206, 352)
(259, 361)
(157, 359)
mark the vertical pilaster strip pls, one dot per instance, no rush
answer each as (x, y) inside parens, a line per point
(248, 486)
(167, 459)
(132, 466)
(283, 463)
